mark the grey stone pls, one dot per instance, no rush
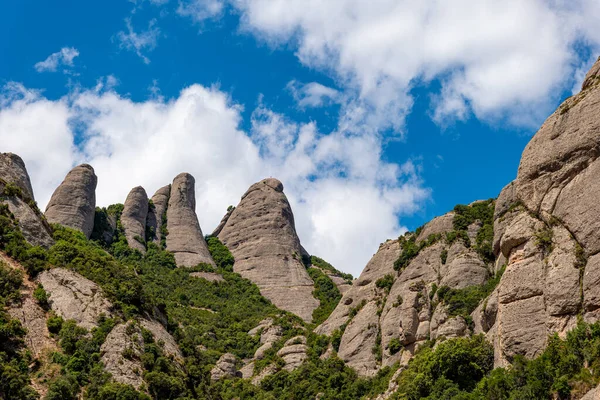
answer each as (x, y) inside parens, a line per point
(133, 218)
(261, 235)
(185, 239)
(12, 170)
(74, 201)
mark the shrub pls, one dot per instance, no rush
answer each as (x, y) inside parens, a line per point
(326, 292)
(54, 323)
(386, 282)
(40, 296)
(394, 346)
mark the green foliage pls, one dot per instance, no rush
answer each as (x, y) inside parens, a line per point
(385, 282)
(455, 365)
(482, 212)
(11, 189)
(117, 278)
(325, 266)
(40, 296)
(444, 256)
(410, 248)
(220, 253)
(394, 346)
(543, 239)
(464, 301)
(10, 282)
(326, 292)
(54, 323)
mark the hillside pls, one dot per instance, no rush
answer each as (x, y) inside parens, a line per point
(497, 299)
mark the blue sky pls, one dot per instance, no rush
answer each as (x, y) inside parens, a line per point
(377, 116)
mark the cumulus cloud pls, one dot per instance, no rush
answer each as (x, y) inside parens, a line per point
(139, 42)
(62, 58)
(496, 60)
(346, 199)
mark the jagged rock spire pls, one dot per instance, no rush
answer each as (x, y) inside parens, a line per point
(74, 202)
(262, 237)
(185, 238)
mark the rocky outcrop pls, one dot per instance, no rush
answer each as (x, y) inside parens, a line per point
(293, 353)
(364, 288)
(12, 170)
(34, 228)
(185, 239)
(72, 296)
(225, 368)
(546, 230)
(74, 201)
(133, 218)
(157, 212)
(224, 220)
(123, 348)
(269, 334)
(408, 312)
(261, 235)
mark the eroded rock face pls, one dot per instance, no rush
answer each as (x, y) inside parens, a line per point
(548, 231)
(293, 353)
(185, 239)
(225, 368)
(133, 218)
(409, 313)
(12, 170)
(74, 201)
(160, 201)
(261, 235)
(35, 230)
(124, 346)
(72, 296)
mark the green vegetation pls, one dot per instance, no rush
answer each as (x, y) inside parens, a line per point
(464, 301)
(543, 239)
(410, 248)
(482, 212)
(325, 266)
(394, 346)
(461, 369)
(326, 292)
(386, 282)
(220, 253)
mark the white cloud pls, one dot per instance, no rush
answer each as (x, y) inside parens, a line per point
(200, 10)
(139, 42)
(346, 200)
(64, 57)
(312, 94)
(494, 59)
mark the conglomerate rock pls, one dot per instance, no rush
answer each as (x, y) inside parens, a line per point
(133, 218)
(261, 235)
(73, 203)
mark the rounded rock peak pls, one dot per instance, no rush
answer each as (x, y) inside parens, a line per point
(184, 175)
(14, 158)
(273, 183)
(138, 189)
(85, 166)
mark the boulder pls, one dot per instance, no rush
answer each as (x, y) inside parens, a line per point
(72, 296)
(157, 212)
(12, 170)
(225, 368)
(261, 235)
(209, 276)
(73, 203)
(133, 218)
(293, 353)
(185, 239)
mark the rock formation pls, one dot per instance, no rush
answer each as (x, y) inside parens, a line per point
(293, 353)
(546, 228)
(72, 296)
(133, 218)
(261, 235)
(185, 238)
(371, 317)
(12, 171)
(124, 346)
(74, 201)
(157, 212)
(225, 368)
